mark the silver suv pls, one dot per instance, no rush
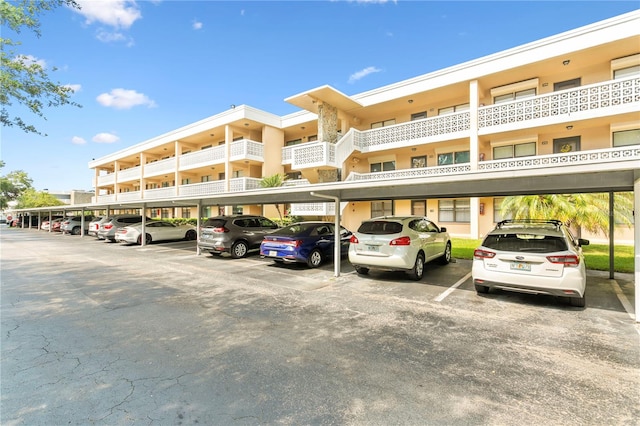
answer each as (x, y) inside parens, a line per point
(108, 228)
(235, 234)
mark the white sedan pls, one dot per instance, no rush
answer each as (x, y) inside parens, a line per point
(156, 230)
(532, 256)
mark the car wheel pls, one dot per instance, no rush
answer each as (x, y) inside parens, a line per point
(239, 249)
(191, 235)
(361, 270)
(75, 231)
(315, 259)
(579, 302)
(446, 256)
(481, 288)
(418, 268)
(147, 239)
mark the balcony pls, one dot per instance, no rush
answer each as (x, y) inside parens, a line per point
(129, 174)
(581, 103)
(603, 158)
(160, 167)
(246, 149)
(105, 180)
(584, 102)
(202, 158)
(313, 209)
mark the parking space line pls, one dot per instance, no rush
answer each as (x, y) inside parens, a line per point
(623, 299)
(447, 292)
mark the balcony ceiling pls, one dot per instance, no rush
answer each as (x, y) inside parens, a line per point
(309, 100)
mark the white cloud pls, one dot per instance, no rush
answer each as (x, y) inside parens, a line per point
(109, 36)
(105, 138)
(31, 60)
(77, 140)
(114, 13)
(363, 73)
(197, 25)
(124, 99)
(74, 87)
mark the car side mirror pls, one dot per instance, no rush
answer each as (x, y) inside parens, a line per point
(443, 229)
(583, 242)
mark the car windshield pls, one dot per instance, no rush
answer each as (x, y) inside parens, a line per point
(522, 242)
(380, 227)
(295, 229)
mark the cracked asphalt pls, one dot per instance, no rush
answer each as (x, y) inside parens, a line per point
(94, 333)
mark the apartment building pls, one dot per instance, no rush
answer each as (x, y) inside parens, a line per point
(570, 99)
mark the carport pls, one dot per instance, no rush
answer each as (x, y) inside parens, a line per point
(623, 176)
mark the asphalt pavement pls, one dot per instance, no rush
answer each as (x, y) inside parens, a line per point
(96, 333)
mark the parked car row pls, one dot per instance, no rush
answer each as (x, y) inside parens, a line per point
(529, 256)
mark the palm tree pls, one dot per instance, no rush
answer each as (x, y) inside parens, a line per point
(588, 211)
(274, 181)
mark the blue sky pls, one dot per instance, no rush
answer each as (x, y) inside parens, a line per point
(140, 69)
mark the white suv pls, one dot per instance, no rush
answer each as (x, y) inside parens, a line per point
(399, 243)
(532, 256)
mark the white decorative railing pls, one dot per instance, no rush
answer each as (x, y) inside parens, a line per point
(314, 154)
(572, 158)
(296, 182)
(313, 209)
(244, 184)
(132, 173)
(584, 98)
(246, 149)
(129, 196)
(110, 198)
(201, 158)
(160, 167)
(108, 179)
(153, 194)
(203, 188)
(454, 169)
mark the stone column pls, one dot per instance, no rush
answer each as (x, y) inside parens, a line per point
(328, 132)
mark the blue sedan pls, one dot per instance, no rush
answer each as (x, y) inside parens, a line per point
(304, 242)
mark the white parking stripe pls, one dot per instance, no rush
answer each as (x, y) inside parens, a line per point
(444, 294)
(623, 299)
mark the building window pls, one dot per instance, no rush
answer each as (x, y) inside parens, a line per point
(383, 123)
(206, 178)
(382, 208)
(238, 174)
(418, 207)
(293, 142)
(626, 72)
(419, 115)
(165, 184)
(626, 137)
(221, 176)
(514, 151)
(563, 145)
(521, 94)
(206, 147)
(312, 138)
(165, 214)
(385, 166)
(497, 205)
(186, 181)
(418, 162)
(186, 212)
(236, 210)
(294, 175)
(452, 109)
(238, 138)
(567, 84)
(448, 158)
(458, 210)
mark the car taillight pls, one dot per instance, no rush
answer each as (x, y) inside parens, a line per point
(402, 241)
(480, 254)
(293, 243)
(354, 240)
(108, 226)
(122, 231)
(566, 260)
(220, 230)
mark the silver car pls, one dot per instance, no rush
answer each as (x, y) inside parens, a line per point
(399, 243)
(109, 227)
(234, 234)
(74, 225)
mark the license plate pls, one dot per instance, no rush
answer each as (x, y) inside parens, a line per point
(273, 253)
(372, 248)
(520, 266)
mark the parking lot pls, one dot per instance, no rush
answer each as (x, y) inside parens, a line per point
(102, 333)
